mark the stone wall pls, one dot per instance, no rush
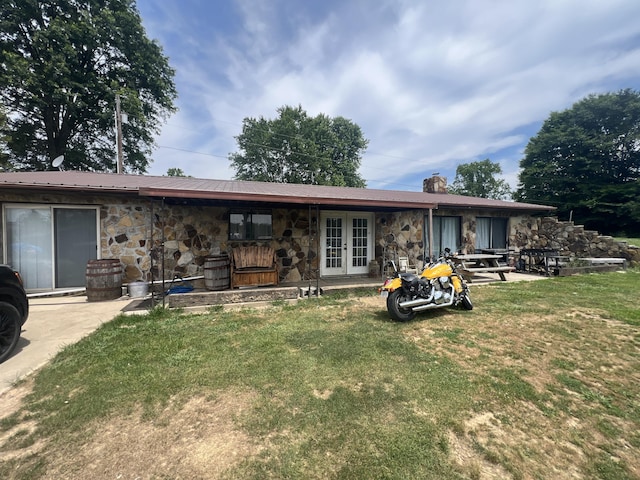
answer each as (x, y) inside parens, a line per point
(569, 239)
(141, 232)
(191, 233)
(401, 231)
(133, 230)
(404, 231)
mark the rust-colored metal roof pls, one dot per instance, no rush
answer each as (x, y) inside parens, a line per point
(232, 190)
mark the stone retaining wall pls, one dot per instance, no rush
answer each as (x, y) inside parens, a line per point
(569, 239)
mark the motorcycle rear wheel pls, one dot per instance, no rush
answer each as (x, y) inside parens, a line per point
(396, 312)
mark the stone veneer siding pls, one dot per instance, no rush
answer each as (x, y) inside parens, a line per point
(132, 230)
(191, 233)
(404, 229)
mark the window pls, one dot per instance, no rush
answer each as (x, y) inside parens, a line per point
(446, 234)
(491, 232)
(250, 226)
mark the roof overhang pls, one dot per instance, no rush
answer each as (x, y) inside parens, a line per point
(281, 199)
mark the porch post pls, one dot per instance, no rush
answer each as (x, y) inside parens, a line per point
(430, 233)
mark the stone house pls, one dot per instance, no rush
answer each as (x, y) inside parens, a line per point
(53, 223)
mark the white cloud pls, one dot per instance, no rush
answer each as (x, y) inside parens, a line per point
(432, 85)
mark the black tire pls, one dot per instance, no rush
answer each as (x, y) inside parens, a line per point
(466, 301)
(397, 313)
(10, 327)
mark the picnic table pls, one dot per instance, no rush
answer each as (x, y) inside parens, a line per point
(470, 264)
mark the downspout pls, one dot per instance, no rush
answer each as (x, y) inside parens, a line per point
(150, 249)
(318, 250)
(162, 246)
(309, 253)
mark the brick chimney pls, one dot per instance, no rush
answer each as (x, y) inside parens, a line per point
(435, 184)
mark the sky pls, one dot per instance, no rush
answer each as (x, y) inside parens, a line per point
(432, 84)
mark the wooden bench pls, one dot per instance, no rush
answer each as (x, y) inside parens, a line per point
(469, 272)
(606, 261)
(253, 266)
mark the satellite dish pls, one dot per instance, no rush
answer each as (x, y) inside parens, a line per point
(57, 162)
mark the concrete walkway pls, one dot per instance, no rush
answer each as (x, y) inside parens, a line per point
(53, 323)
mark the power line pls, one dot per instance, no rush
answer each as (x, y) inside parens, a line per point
(193, 151)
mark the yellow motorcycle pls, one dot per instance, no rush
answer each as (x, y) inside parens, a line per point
(438, 286)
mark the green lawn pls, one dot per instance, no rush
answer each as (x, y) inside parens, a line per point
(540, 380)
(629, 240)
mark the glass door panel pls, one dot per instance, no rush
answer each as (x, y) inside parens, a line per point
(334, 251)
(29, 246)
(75, 244)
(359, 242)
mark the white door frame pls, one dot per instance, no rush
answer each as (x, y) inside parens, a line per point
(345, 248)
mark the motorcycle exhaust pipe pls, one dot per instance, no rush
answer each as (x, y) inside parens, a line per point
(415, 303)
(420, 308)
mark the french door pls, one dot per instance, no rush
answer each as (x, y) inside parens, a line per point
(50, 246)
(346, 243)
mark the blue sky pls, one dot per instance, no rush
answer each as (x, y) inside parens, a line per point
(432, 84)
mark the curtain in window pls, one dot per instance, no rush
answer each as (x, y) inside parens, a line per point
(491, 232)
(450, 234)
(483, 233)
(446, 234)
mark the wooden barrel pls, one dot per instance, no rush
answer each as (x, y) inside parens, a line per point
(104, 280)
(216, 272)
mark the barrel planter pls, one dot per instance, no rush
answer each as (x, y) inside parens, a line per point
(216, 272)
(104, 280)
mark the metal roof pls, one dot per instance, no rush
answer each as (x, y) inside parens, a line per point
(233, 190)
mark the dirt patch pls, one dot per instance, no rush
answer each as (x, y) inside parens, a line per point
(12, 399)
(572, 360)
(199, 439)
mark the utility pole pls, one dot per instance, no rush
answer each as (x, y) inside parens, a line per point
(119, 156)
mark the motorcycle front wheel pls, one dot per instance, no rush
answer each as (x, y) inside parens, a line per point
(466, 301)
(396, 312)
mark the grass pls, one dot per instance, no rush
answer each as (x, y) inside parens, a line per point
(629, 240)
(538, 381)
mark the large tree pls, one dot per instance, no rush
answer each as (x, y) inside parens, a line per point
(62, 63)
(586, 161)
(479, 179)
(297, 148)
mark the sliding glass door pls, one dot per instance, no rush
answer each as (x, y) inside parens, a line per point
(50, 246)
